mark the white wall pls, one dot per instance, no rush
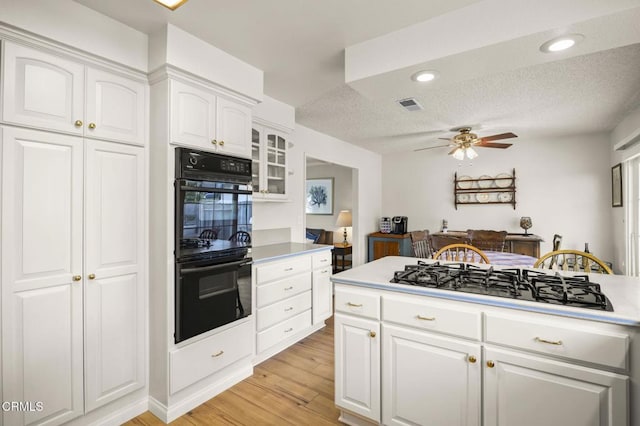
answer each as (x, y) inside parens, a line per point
(366, 184)
(342, 198)
(564, 185)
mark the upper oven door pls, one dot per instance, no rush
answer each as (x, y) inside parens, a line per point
(213, 211)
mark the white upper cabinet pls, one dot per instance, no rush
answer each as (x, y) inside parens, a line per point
(202, 120)
(45, 91)
(269, 167)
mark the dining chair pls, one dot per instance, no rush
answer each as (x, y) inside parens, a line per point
(241, 237)
(420, 244)
(572, 260)
(557, 239)
(487, 240)
(209, 234)
(438, 241)
(461, 253)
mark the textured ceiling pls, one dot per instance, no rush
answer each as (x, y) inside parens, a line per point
(504, 86)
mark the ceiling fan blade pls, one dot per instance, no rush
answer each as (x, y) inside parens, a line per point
(493, 145)
(430, 147)
(498, 137)
(453, 150)
(445, 139)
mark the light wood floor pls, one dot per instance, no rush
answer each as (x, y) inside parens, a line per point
(294, 387)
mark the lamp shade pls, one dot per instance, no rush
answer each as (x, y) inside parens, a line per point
(344, 218)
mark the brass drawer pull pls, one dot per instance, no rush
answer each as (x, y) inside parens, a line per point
(550, 342)
(372, 334)
(420, 317)
(491, 364)
(288, 329)
(78, 123)
(217, 355)
(355, 305)
(92, 276)
(92, 126)
(76, 278)
(325, 271)
(288, 269)
(290, 308)
(221, 143)
(214, 142)
(472, 359)
(288, 288)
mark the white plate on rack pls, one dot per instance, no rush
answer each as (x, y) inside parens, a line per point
(485, 183)
(464, 182)
(482, 197)
(505, 197)
(463, 198)
(504, 183)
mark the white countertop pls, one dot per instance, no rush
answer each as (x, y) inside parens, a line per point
(622, 291)
(283, 250)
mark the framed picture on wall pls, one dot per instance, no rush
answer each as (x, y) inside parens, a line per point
(319, 196)
(616, 185)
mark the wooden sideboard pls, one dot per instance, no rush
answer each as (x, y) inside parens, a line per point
(381, 245)
(515, 243)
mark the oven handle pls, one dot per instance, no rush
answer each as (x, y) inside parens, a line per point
(238, 263)
(214, 190)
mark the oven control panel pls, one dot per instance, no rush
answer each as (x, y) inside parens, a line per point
(206, 165)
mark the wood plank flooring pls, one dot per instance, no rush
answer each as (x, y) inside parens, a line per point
(295, 387)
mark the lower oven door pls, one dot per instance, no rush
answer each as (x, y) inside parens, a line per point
(209, 295)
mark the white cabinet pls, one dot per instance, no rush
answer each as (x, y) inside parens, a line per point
(206, 121)
(429, 379)
(47, 91)
(63, 270)
(357, 365)
(269, 156)
(322, 286)
(527, 390)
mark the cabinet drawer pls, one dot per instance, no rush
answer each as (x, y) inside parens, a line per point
(322, 274)
(282, 310)
(585, 344)
(205, 357)
(278, 290)
(357, 302)
(320, 260)
(282, 269)
(283, 330)
(433, 316)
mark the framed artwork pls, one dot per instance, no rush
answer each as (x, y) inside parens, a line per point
(319, 196)
(616, 185)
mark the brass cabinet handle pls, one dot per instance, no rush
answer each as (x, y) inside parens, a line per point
(92, 126)
(217, 355)
(78, 123)
(290, 308)
(550, 342)
(472, 359)
(324, 271)
(288, 329)
(491, 364)
(221, 143)
(215, 142)
(92, 276)
(420, 317)
(372, 334)
(76, 278)
(355, 305)
(288, 269)
(288, 288)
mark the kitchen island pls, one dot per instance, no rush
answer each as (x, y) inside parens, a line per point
(417, 355)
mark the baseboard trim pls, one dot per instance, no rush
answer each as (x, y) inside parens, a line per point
(354, 419)
(125, 414)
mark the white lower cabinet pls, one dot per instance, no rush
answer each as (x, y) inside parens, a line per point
(429, 379)
(73, 306)
(322, 286)
(357, 365)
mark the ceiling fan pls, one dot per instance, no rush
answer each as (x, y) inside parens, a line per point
(464, 142)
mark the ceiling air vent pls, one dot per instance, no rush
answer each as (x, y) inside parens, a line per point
(410, 104)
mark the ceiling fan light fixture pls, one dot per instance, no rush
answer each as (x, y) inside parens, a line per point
(561, 43)
(171, 4)
(424, 76)
(471, 153)
(458, 154)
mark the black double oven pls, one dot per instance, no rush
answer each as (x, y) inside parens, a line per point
(213, 214)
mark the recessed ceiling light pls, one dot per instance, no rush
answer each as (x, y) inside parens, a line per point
(171, 4)
(561, 43)
(424, 76)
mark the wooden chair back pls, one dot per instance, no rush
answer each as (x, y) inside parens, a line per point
(557, 239)
(209, 234)
(487, 240)
(241, 237)
(572, 260)
(439, 241)
(420, 242)
(461, 253)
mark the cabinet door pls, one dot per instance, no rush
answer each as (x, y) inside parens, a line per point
(526, 390)
(42, 90)
(115, 107)
(256, 156)
(193, 117)
(322, 294)
(276, 165)
(357, 365)
(233, 131)
(429, 379)
(41, 269)
(114, 260)
(382, 248)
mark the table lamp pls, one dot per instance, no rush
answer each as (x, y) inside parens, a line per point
(344, 220)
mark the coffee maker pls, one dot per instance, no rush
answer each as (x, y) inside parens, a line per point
(399, 225)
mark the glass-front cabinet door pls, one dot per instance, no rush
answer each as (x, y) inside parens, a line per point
(269, 155)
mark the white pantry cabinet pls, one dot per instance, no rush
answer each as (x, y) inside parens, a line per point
(73, 259)
(204, 120)
(45, 90)
(269, 163)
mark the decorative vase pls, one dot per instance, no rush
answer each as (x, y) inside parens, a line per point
(525, 223)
